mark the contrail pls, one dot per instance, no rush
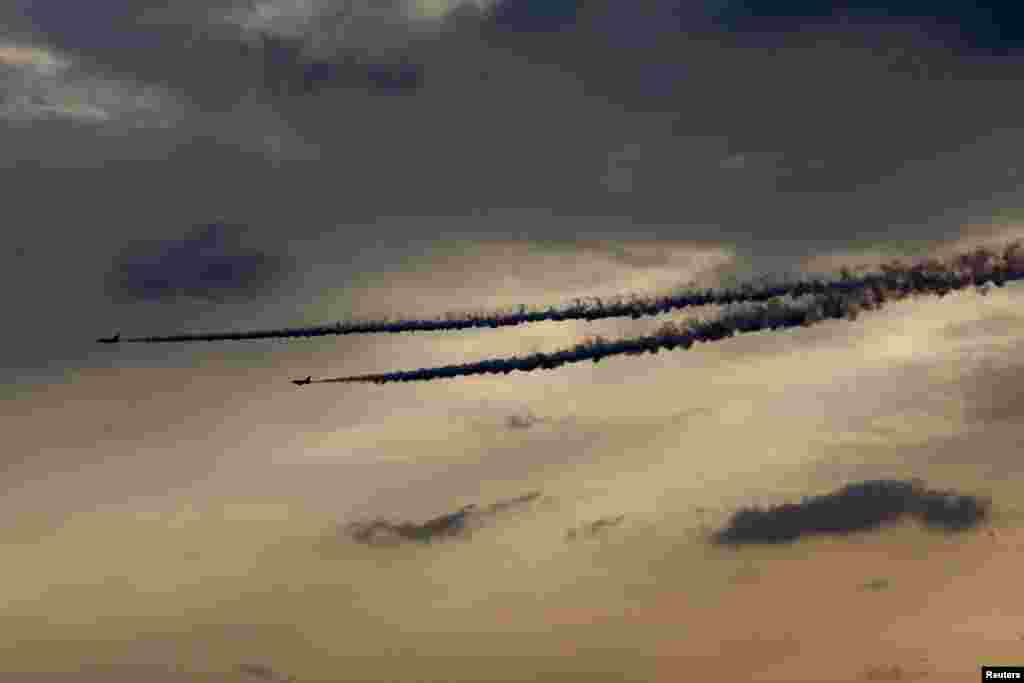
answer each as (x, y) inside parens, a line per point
(981, 263)
(930, 277)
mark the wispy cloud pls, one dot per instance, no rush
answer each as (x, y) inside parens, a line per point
(41, 84)
(351, 24)
(460, 523)
(31, 58)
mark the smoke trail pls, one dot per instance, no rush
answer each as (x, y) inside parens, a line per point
(898, 283)
(977, 267)
(635, 308)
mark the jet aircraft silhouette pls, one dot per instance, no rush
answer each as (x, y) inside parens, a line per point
(110, 340)
(300, 382)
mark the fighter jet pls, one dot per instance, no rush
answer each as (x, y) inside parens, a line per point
(300, 382)
(110, 340)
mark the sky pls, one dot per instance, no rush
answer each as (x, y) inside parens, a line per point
(175, 512)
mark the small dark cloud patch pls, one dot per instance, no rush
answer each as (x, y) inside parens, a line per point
(211, 263)
(533, 16)
(594, 529)
(462, 523)
(894, 672)
(290, 70)
(854, 508)
(949, 511)
(875, 585)
(398, 78)
(263, 673)
(970, 27)
(525, 421)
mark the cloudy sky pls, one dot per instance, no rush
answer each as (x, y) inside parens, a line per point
(172, 511)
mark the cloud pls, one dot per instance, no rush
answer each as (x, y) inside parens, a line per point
(736, 161)
(310, 45)
(211, 262)
(533, 16)
(612, 52)
(461, 523)
(264, 673)
(41, 84)
(989, 386)
(595, 528)
(360, 24)
(855, 507)
(522, 421)
(964, 25)
(291, 68)
(643, 77)
(36, 59)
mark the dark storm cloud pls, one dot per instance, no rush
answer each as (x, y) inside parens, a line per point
(837, 122)
(832, 135)
(211, 262)
(212, 62)
(854, 508)
(992, 28)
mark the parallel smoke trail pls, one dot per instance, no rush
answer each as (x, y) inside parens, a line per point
(927, 278)
(978, 264)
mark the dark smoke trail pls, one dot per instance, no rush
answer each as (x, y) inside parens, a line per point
(977, 267)
(928, 278)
